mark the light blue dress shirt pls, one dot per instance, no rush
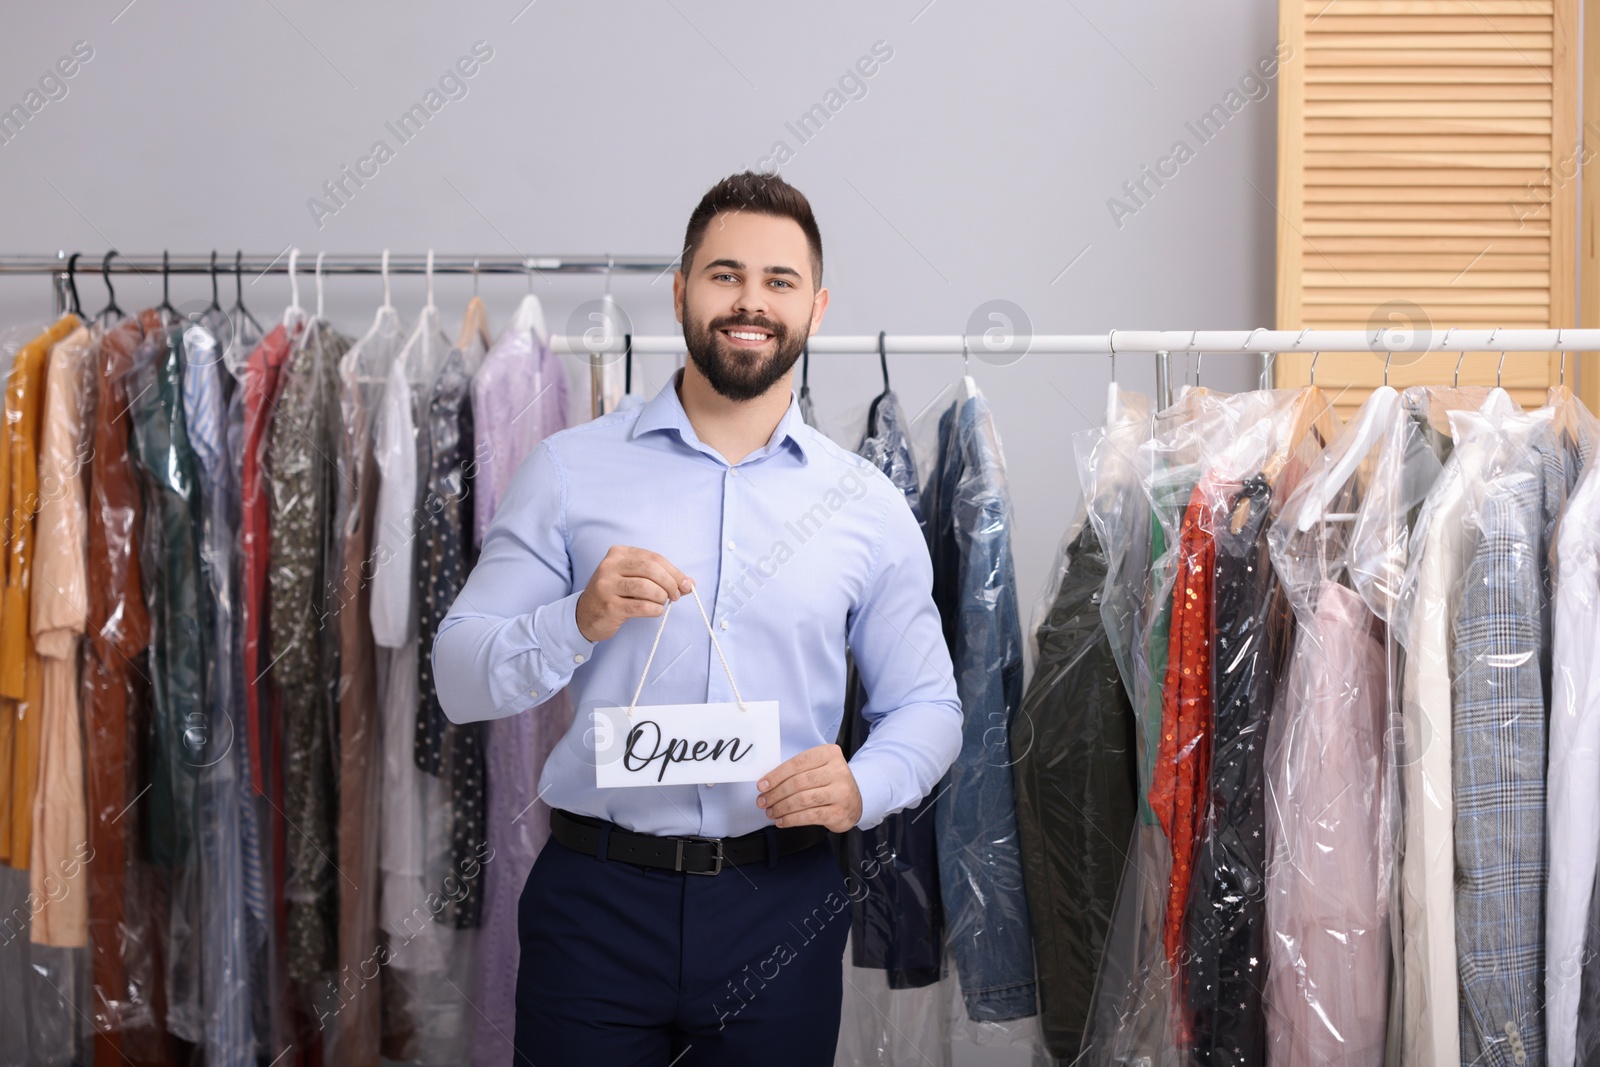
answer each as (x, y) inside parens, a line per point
(799, 550)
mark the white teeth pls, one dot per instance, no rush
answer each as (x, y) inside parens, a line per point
(743, 336)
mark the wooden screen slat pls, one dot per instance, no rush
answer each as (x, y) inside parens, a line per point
(1421, 145)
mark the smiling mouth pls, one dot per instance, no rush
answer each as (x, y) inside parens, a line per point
(746, 336)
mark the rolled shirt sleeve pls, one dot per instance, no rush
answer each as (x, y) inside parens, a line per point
(912, 705)
(511, 639)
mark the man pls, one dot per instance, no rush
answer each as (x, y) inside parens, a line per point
(797, 549)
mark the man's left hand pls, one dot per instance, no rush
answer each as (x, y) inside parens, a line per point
(814, 788)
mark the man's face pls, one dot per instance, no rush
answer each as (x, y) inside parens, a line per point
(748, 302)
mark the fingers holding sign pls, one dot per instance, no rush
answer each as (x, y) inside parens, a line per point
(629, 583)
(815, 787)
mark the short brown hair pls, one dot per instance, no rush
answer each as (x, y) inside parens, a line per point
(764, 194)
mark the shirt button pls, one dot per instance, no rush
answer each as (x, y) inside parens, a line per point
(724, 624)
(577, 658)
(733, 472)
(533, 692)
(730, 545)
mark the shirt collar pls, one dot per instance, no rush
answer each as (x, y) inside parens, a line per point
(665, 411)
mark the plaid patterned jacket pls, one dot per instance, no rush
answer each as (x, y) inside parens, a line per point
(1500, 688)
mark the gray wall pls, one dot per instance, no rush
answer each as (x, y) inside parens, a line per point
(976, 166)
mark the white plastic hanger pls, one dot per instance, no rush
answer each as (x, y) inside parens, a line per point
(969, 388)
(294, 316)
(437, 346)
(1374, 419)
(1111, 389)
(365, 359)
(319, 286)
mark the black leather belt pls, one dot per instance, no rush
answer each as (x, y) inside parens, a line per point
(691, 855)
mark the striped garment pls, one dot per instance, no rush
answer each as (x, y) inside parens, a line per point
(229, 843)
(1500, 690)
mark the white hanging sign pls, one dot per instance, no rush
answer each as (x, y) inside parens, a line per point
(685, 744)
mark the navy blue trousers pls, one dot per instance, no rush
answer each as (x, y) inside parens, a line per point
(630, 966)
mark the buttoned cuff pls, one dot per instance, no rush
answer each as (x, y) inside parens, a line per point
(873, 785)
(555, 647)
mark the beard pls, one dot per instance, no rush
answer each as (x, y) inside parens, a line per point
(738, 373)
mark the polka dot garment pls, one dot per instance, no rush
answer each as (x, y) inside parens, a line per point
(449, 751)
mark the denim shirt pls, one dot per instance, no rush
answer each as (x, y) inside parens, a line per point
(974, 585)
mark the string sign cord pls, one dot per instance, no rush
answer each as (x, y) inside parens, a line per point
(714, 644)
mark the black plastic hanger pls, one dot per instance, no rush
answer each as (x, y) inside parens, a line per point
(216, 304)
(238, 291)
(805, 371)
(627, 363)
(111, 308)
(166, 302)
(872, 412)
(72, 284)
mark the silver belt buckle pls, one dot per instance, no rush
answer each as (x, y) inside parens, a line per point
(678, 860)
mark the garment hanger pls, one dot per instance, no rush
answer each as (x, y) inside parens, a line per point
(215, 307)
(1111, 389)
(367, 360)
(969, 388)
(111, 308)
(238, 293)
(319, 286)
(805, 371)
(72, 284)
(294, 316)
(169, 313)
(529, 316)
(872, 410)
(1373, 420)
(627, 363)
(474, 325)
(1307, 413)
(427, 346)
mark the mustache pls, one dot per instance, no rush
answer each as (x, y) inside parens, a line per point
(775, 328)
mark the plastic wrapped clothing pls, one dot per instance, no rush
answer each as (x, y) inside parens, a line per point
(1330, 775)
(124, 939)
(1500, 695)
(44, 994)
(1327, 901)
(519, 397)
(1435, 557)
(974, 585)
(259, 386)
(304, 653)
(169, 566)
(355, 1031)
(1249, 630)
(425, 1013)
(1224, 930)
(1130, 1022)
(899, 1006)
(1077, 782)
(898, 925)
(58, 615)
(1573, 801)
(21, 677)
(451, 752)
(1183, 757)
(239, 336)
(225, 953)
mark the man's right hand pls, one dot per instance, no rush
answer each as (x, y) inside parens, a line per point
(629, 583)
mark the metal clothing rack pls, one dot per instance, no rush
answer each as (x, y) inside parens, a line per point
(1262, 342)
